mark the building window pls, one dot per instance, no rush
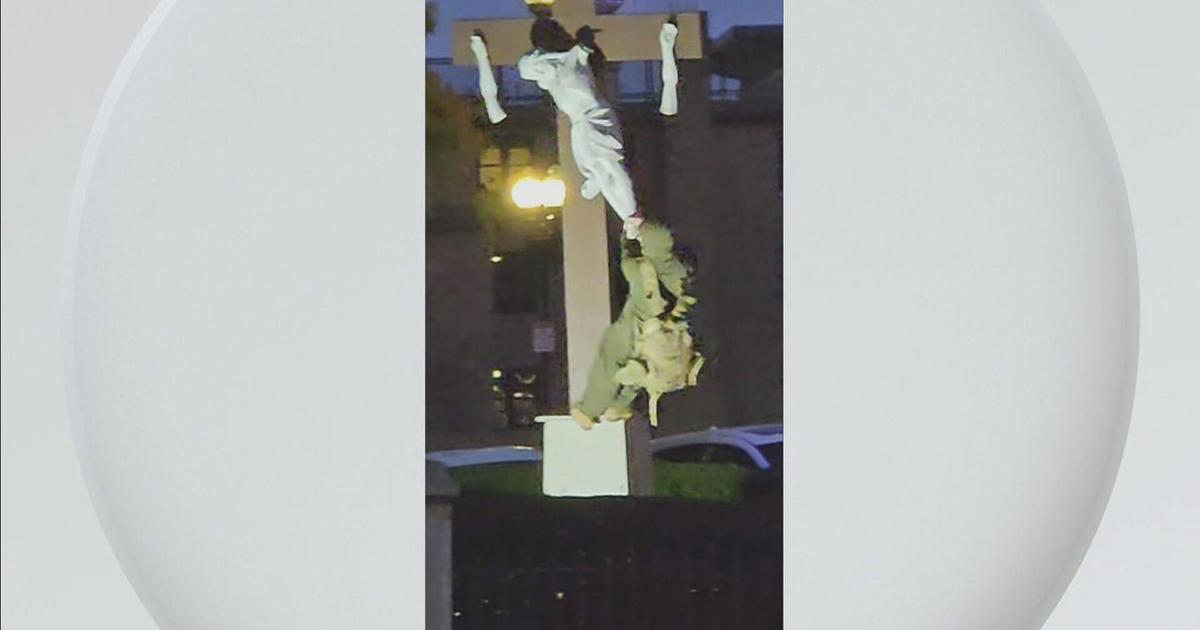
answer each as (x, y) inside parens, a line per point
(491, 169)
(498, 166)
(519, 157)
(519, 283)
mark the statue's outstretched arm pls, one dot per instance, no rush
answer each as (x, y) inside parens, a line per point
(670, 74)
(487, 81)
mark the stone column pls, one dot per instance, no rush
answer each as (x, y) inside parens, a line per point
(440, 491)
(585, 268)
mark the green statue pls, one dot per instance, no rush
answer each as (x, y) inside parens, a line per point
(650, 347)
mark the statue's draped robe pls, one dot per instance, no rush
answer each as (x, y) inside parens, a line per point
(595, 132)
(644, 302)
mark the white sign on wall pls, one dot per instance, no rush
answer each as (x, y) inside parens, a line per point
(543, 338)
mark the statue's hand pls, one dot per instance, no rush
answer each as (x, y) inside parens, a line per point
(477, 45)
(631, 226)
(667, 34)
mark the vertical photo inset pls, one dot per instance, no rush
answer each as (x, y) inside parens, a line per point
(604, 314)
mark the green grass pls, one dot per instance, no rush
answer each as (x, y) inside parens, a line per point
(702, 482)
(523, 479)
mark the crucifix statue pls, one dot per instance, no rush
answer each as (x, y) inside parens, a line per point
(597, 168)
(607, 362)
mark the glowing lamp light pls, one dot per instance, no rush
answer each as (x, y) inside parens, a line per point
(527, 192)
(554, 192)
(530, 192)
(497, 373)
(496, 259)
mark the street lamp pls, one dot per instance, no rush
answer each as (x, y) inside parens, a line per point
(533, 192)
(554, 192)
(527, 192)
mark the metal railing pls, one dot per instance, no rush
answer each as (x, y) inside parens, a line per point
(637, 81)
(617, 563)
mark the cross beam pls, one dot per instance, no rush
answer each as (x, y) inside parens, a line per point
(622, 37)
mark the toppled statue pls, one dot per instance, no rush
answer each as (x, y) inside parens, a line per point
(650, 347)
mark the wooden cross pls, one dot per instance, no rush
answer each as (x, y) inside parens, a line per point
(585, 241)
(629, 37)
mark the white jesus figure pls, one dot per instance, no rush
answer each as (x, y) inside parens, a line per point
(563, 66)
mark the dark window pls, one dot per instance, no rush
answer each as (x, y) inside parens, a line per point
(519, 283)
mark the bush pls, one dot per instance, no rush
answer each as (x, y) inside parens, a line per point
(702, 482)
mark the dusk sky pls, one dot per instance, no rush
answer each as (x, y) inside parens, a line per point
(721, 14)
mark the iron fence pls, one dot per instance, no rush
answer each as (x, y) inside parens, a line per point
(619, 563)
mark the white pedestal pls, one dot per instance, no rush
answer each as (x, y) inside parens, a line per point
(578, 463)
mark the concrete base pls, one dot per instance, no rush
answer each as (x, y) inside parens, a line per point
(579, 463)
(612, 459)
